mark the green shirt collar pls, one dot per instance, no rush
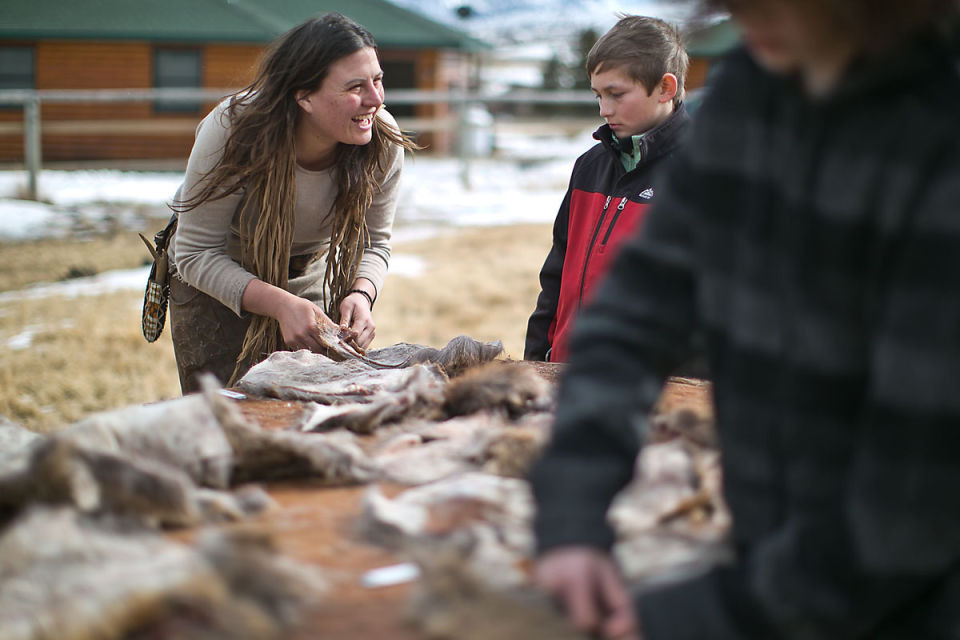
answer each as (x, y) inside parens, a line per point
(632, 159)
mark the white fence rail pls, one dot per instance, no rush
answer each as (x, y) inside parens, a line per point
(462, 101)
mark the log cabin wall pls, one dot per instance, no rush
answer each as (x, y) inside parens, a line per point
(137, 130)
(697, 73)
(124, 130)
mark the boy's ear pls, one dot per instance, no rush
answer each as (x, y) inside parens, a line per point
(668, 87)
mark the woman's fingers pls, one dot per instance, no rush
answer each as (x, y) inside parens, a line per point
(366, 336)
(355, 313)
(346, 314)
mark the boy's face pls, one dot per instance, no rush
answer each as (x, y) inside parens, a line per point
(625, 103)
(785, 36)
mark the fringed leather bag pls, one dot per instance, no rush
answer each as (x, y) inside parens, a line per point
(158, 285)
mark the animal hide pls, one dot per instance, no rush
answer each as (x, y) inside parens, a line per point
(450, 602)
(493, 512)
(417, 452)
(456, 426)
(65, 576)
(671, 522)
(232, 506)
(184, 433)
(141, 461)
(418, 396)
(16, 443)
(334, 458)
(302, 375)
(458, 355)
(513, 389)
(62, 472)
(512, 450)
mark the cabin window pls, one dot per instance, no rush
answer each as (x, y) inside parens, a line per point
(17, 70)
(399, 74)
(177, 69)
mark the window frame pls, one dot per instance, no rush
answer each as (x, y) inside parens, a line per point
(164, 79)
(9, 80)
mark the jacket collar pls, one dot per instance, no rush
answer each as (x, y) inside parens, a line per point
(656, 142)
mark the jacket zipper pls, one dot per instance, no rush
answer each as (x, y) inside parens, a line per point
(613, 222)
(593, 240)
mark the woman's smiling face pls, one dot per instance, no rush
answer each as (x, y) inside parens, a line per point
(343, 108)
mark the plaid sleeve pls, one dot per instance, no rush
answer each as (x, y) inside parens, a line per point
(894, 540)
(906, 481)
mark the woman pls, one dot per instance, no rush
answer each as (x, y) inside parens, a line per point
(287, 206)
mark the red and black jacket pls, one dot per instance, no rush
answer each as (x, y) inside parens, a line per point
(604, 204)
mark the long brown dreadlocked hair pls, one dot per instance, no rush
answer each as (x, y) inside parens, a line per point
(259, 159)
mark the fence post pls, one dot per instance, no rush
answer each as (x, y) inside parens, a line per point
(462, 141)
(31, 144)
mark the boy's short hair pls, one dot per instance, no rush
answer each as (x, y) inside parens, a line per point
(645, 49)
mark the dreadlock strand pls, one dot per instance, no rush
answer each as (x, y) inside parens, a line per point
(268, 244)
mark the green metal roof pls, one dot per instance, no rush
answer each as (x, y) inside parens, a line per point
(712, 40)
(242, 21)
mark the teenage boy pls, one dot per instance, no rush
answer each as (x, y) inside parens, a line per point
(811, 229)
(637, 71)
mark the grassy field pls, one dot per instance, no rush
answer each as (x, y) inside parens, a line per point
(62, 358)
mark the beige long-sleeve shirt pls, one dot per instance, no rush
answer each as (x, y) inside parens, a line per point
(206, 246)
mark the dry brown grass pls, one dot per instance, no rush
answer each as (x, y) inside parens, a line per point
(481, 282)
(22, 264)
(87, 354)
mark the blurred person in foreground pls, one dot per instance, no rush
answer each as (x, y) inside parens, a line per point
(811, 229)
(287, 207)
(637, 71)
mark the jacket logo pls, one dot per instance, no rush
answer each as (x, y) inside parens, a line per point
(646, 194)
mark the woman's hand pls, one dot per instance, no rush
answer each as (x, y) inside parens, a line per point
(298, 317)
(588, 585)
(355, 313)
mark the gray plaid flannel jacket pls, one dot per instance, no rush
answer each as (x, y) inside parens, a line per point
(816, 244)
